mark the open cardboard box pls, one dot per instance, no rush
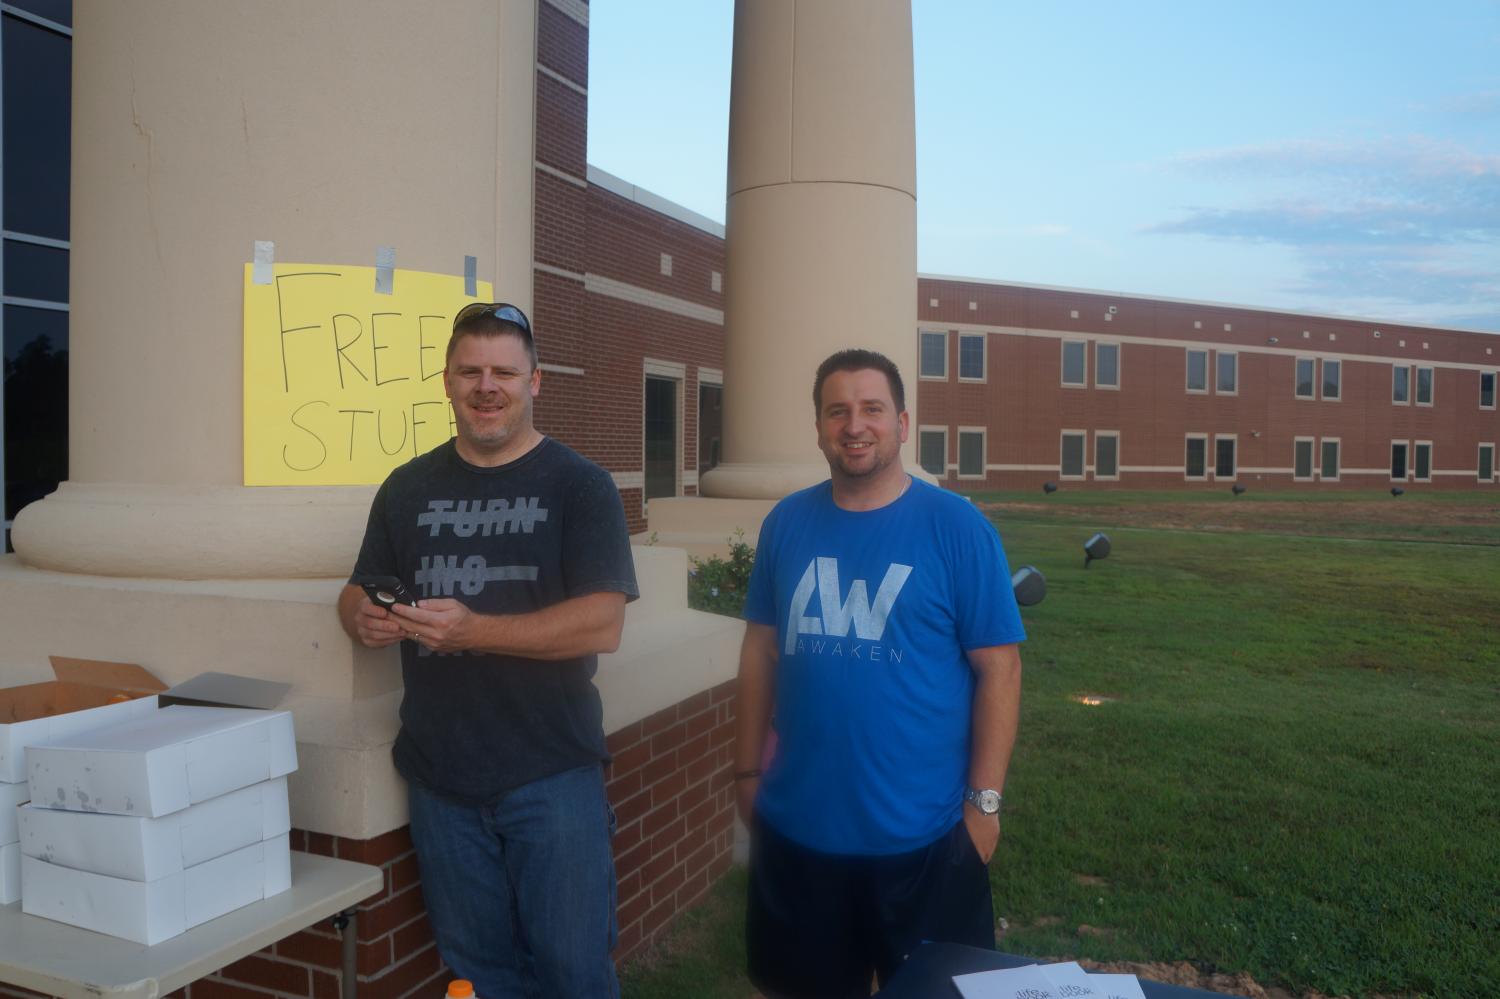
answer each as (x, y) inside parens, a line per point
(87, 693)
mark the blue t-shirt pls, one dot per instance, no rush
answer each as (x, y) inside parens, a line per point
(873, 612)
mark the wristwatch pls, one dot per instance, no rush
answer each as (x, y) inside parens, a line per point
(984, 799)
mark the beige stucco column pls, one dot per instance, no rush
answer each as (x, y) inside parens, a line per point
(330, 128)
(820, 223)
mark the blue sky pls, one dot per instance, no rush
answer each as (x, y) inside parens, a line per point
(1331, 156)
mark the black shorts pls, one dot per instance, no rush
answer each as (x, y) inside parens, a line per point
(819, 925)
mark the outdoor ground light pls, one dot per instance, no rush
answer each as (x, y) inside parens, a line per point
(1397, 491)
(1049, 488)
(1029, 585)
(1095, 547)
(1237, 489)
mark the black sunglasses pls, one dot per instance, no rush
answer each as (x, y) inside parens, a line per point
(503, 311)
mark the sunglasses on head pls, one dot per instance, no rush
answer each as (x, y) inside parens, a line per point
(503, 311)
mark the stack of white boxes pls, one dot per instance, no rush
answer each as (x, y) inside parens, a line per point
(145, 829)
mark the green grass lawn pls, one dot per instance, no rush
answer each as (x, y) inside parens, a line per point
(1298, 774)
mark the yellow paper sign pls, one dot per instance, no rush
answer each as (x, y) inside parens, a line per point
(343, 384)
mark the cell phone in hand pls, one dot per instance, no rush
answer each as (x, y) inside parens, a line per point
(384, 591)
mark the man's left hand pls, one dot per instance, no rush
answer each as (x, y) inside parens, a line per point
(984, 831)
(442, 624)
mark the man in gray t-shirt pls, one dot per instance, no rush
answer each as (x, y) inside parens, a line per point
(517, 551)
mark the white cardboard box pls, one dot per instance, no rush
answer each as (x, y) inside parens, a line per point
(10, 873)
(11, 795)
(149, 912)
(145, 849)
(161, 763)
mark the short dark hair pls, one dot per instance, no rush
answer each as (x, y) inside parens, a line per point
(857, 359)
(473, 322)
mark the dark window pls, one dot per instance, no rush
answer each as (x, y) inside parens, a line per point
(1197, 371)
(970, 453)
(1224, 457)
(1302, 454)
(1229, 378)
(56, 11)
(1330, 459)
(1304, 378)
(1400, 383)
(1107, 365)
(36, 404)
(38, 98)
(1197, 456)
(1330, 379)
(1487, 389)
(1424, 386)
(934, 355)
(971, 356)
(33, 271)
(1074, 362)
(932, 452)
(1106, 456)
(710, 425)
(1398, 461)
(1072, 456)
(1486, 462)
(661, 437)
(1422, 462)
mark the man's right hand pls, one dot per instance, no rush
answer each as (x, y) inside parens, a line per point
(375, 627)
(745, 797)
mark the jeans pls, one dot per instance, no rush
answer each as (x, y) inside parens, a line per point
(521, 893)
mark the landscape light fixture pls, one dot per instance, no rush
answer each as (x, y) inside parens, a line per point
(1029, 585)
(1095, 547)
(1049, 488)
(1237, 489)
(1397, 491)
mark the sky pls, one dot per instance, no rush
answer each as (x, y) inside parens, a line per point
(1330, 157)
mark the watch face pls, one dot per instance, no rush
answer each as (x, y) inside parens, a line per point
(988, 801)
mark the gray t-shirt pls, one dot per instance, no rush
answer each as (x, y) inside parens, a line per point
(517, 538)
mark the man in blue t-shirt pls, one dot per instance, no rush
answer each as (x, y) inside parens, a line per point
(881, 649)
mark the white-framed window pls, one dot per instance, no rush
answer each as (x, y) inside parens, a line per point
(1425, 386)
(971, 448)
(1227, 373)
(1329, 465)
(933, 363)
(1332, 379)
(971, 357)
(1421, 461)
(1305, 384)
(1075, 362)
(662, 439)
(1486, 390)
(1302, 459)
(1107, 455)
(1106, 365)
(1071, 446)
(1197, 370)
(1400, 385)
(1486, 467)
(1224, 455)
(1195, 458)
(1400, 450)
(932, 450)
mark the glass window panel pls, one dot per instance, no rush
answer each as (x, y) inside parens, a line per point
(934, 355)
(1302, 461)
(36, 404)
(1486, 463)
(1330, 379)
(1107, 365)
(33, 271)
(1330, 459)
(1074, 361)
(1228, 373)
(661, 437)
(1072, 454)
(1398, 461)
(1304, 377)
(37, 109)
(1401, 383)
(1422, 463)
(710, 425)
(1487, 389)
(933, 452)
(971, 357)
(1224, 457)
(1197, 455)
(1197, 370)
(1424, 386)
(1106, 455)
(970, 453)
(57, 11)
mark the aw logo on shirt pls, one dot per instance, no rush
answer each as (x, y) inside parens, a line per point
(840, 613)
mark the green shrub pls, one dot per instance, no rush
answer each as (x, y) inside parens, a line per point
(718, 584)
